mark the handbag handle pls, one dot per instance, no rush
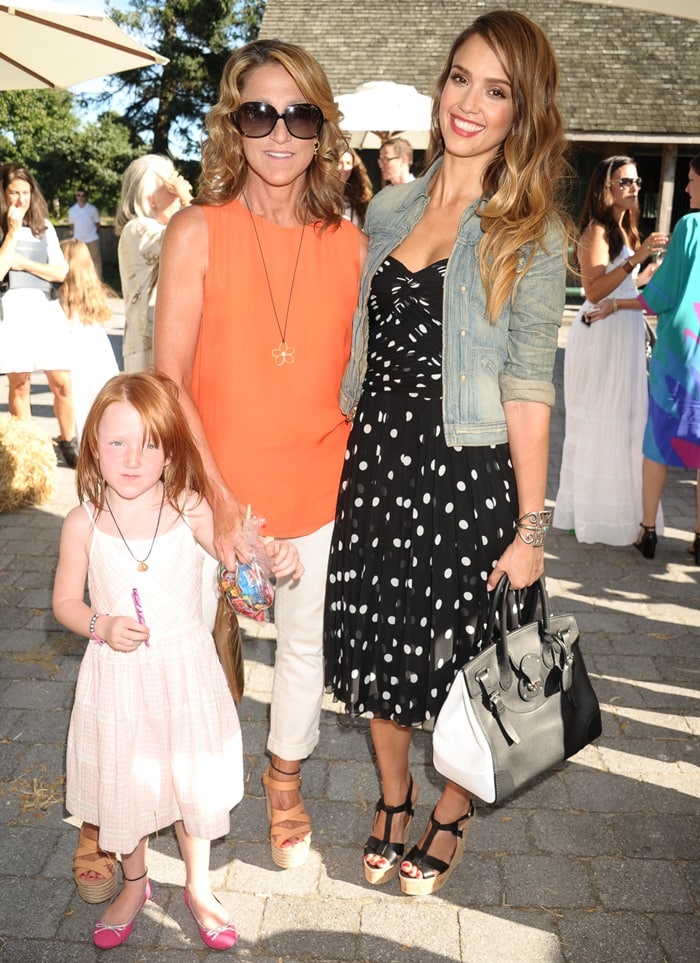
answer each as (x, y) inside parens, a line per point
(499, 610)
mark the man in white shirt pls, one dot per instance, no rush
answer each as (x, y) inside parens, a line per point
(84, 218)
(395, 159)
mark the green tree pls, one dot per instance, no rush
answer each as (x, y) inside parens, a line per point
(168, 103)
(41, 130)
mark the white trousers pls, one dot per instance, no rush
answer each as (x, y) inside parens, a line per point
(297, 687)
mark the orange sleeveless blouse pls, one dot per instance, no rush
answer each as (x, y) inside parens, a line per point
(276, 430)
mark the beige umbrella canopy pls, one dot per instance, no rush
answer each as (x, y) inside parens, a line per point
(689, 9)
(381, 109)
(45, 44)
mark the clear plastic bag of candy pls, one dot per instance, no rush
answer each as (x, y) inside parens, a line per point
(249, 590)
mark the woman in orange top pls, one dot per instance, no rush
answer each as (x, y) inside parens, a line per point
(257, 288)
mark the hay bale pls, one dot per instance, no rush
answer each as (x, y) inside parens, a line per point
(27, 464)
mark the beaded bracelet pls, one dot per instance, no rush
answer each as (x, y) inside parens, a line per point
(91, 630)
(532, 527)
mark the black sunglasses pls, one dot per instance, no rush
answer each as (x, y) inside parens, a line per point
(257, 119)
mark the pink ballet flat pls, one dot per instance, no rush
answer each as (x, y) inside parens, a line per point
(106, 937)
(221, 939)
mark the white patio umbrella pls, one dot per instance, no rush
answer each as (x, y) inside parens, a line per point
(381, 109)
(46, 44)
(689, 9)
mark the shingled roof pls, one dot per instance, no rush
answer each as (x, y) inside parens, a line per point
(622, 72)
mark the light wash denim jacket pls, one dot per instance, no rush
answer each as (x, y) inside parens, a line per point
(483, 364)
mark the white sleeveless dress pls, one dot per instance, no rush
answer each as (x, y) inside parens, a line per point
(606, 400)
(154, 734)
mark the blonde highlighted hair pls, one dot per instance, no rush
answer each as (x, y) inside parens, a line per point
(140, 181)
(155, 397)
(523, 185)
(224, 167)
(82, 294)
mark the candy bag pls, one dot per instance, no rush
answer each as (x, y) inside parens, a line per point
(249, 590)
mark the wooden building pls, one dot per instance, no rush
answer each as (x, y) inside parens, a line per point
(630, 81)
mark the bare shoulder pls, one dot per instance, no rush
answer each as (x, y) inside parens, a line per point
(187, 226)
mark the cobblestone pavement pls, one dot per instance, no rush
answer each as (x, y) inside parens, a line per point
(597, 863)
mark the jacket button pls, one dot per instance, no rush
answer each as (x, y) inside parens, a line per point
(463, 288)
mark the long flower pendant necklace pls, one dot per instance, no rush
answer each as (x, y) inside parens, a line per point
(141, 567)
(283, 353)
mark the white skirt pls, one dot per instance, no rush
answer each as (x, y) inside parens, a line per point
(92, 365)
(34, 333)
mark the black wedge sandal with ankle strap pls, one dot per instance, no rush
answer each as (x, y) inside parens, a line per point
(391, 852)
(435, 872)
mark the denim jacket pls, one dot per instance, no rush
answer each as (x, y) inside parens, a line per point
(483, 364)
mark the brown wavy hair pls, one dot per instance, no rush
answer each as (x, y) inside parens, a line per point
(155, 397)
(224, 167)
(523, 185)
(598, 207)
(82, 294)
(358, 187)
(38, 211)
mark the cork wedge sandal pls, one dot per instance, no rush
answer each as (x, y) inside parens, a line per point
(89, 858)
(287, 857)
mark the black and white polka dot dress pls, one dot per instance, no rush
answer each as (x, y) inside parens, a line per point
(418, 526)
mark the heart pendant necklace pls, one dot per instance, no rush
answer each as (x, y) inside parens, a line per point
(141, 567)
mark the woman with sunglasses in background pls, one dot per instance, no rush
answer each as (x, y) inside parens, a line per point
(605, 374)
(258, 284)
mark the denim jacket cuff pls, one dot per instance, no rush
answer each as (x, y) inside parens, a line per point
(520, 389)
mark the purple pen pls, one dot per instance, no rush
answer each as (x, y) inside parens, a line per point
(139, 610)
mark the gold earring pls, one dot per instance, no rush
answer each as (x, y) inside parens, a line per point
(316, 146)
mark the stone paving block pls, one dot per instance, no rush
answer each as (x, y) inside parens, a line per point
(549, 791)
(573, 833)
(682, 800)
(47, 898)
(602, 792)
(313, 929)
(648, 837)
(35, 695)
(412, 929)
(498, 830)
(24, 851)
(598, 937)
(254, 872)
(548, 882)
(35, 951)
(509, 935)
(679, 936)
(339, 824)
(641, 885)
(49, 726)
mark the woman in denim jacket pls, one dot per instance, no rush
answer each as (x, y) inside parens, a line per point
(450, 389)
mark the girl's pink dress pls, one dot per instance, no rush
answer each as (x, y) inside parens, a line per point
(154, 734)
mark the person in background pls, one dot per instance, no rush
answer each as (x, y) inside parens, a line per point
(84, 300)
(34, 332)
(152, 191)
(605, 365)
(395, 159)
(358, 187)
(672, 434)
(450, 386)
(84, 219)
(258, 285)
